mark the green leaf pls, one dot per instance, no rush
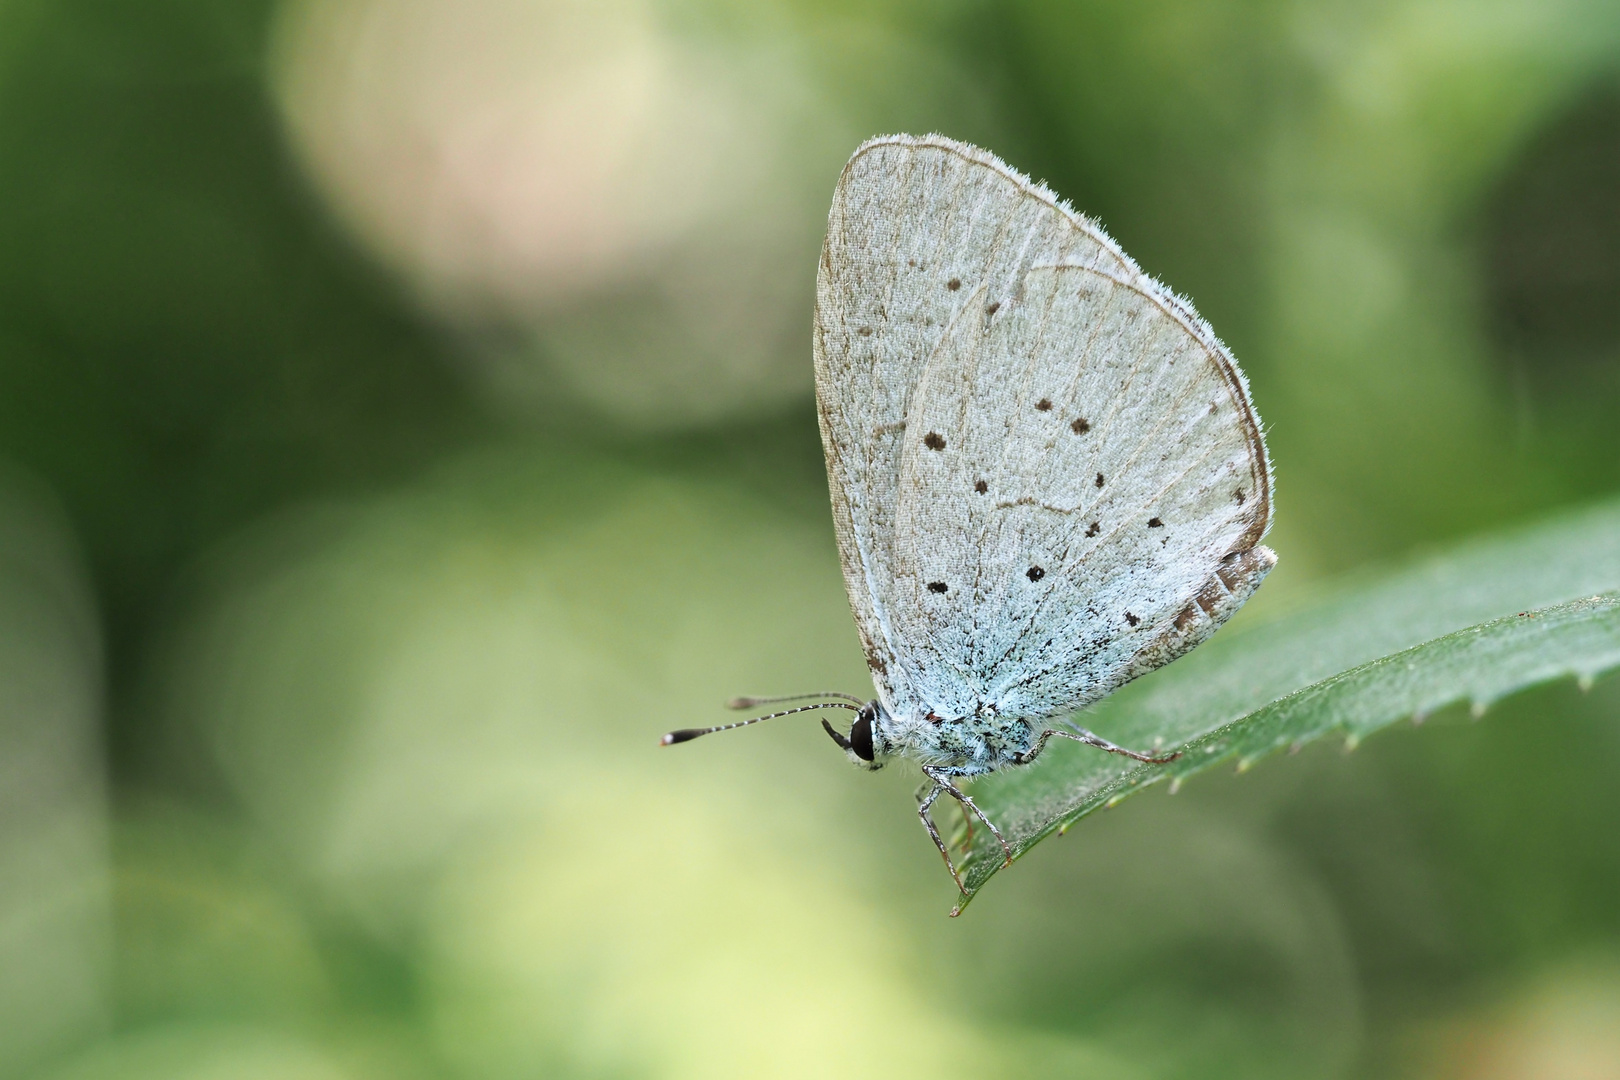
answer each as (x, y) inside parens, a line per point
(1489, 618)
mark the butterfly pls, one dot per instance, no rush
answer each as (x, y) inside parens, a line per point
(1047, 476)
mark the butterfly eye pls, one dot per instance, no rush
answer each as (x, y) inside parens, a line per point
(860, 737)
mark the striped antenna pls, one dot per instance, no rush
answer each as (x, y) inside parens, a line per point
(756, 702)
(687, 734)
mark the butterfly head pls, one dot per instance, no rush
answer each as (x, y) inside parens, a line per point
(865, 744)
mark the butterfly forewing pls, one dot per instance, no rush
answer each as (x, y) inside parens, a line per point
(1038, 457)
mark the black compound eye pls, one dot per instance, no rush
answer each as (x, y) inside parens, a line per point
(860, 736)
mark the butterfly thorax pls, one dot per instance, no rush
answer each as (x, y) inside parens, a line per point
(960, 746)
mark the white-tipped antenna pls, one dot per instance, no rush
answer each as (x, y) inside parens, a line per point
(687, 734)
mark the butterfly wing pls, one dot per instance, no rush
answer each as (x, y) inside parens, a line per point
(1047, 476)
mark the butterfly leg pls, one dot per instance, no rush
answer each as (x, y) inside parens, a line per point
(923, 804)
(1084, 736)
(965, 844)
(961, 796)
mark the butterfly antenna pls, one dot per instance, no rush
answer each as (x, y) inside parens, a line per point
(687, 734)
(756, 702)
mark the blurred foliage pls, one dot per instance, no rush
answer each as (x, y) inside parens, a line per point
(355, 545)
(186, 342)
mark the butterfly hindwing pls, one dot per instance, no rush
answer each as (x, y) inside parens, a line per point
(1037, 592)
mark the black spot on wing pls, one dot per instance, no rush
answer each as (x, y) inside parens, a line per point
(1099, 479)
(1155, 523)
(937, 586)
(1035, 573)
(981, 487)
(1080, 426)
(934, 441)
(1044, 405)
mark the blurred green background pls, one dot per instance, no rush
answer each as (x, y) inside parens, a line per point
(405, 416)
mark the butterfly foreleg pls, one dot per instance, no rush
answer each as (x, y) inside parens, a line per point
(964, 841)
(923, 803)
(1081, 735)
(944, 783)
